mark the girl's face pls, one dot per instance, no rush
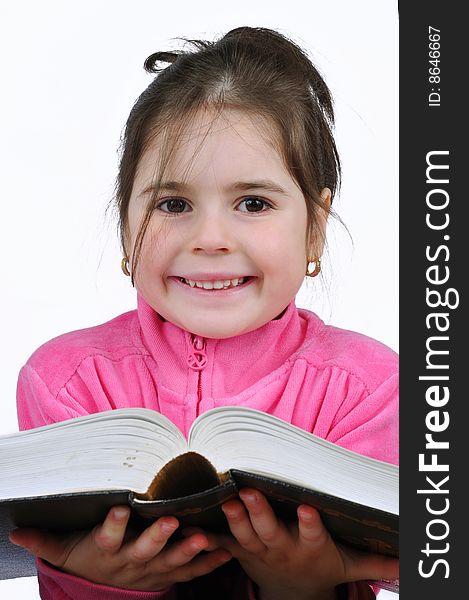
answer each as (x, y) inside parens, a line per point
(225, 251)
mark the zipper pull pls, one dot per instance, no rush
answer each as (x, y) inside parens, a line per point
(197, 359)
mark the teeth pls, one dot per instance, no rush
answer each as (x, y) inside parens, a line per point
(219, 284)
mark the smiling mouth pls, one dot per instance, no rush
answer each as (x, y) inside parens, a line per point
(219, 284)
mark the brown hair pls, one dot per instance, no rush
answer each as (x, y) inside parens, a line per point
(253, 69)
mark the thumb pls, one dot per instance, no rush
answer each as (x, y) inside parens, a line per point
(372, 567)
(51, 547)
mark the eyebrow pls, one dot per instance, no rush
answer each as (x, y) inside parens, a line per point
(258, 184)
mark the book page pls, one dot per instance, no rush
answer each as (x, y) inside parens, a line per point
(250, 440)
(120, 449)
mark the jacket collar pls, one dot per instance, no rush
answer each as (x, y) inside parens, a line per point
(228, 365)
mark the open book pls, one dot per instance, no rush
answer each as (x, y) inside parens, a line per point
(67, 475)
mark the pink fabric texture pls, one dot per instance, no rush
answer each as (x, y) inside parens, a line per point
(338, 384)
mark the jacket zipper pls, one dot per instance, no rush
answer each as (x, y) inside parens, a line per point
(199, 393)
(197, 361)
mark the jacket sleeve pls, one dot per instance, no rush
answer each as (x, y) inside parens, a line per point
(358, 590)
(57, 585)
(370, 424)
(36, 406)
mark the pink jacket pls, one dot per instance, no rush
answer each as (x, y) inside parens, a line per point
(340, 385)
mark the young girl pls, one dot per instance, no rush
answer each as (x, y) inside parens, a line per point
(227, 174)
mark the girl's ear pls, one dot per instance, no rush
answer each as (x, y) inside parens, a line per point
(317, 244)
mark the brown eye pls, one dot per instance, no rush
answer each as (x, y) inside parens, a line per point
(173, 205)
(254, 204)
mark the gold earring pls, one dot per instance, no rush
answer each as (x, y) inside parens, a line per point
(317, 267)
(125, 266)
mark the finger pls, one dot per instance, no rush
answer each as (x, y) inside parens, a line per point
(241, 527)
(181, 553)
(311, 530)
(269, 529)
(215, 540)
(25, 537)
(110, 534)
(53, 548)
(150, 543)
(375, 567)
(202, 565)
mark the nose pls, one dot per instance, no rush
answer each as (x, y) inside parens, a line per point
(212, 235)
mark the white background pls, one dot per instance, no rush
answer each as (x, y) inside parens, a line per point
(70, 73)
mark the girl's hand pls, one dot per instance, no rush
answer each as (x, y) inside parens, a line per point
(143, 563)
(297, 561)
